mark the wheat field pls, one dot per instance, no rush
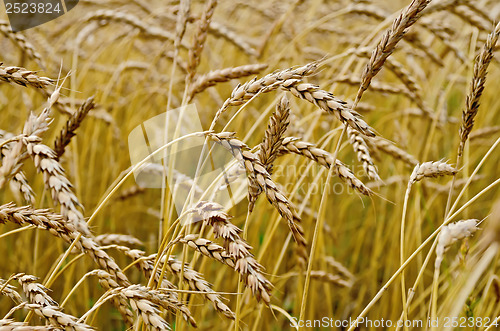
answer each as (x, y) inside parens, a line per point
(364, 138)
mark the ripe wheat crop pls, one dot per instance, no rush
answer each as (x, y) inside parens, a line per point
(353, 149)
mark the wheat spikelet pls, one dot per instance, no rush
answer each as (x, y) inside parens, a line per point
(481, 11)
(162, 298)
(10, 291)
(146, 302)
(258, 174)
(273, 138)
(431, 169)
(71, 125)
(20, 41)
(200, 38)
(35, 292)
(223, 75)
(367, 9)
(146, 265)
(324, 158)
(363, 154)
(249, 269)
(45, 161)
(23, 77)
(443, 34)
(388, 43)
(442, 5)
(477, 87)
(19, 183)
(330, 260)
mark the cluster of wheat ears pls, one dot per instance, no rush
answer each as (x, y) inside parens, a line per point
(379, 154)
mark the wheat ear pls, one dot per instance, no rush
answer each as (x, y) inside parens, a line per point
(329, 103)
(132, 20)
(249, 269)
(57, 318)
(117, 239)
(270, 145)
(35, 292)
(222, 31)
(391, 149)
(10, 325)
(324, 158)
(477, 87)
(452, 233)
(223, 75)
(431, 169)
(200, 38)
(55, 179)
(71, 125)
(197, 283)
(10, 291)
(23, 77)
(270, 82)
(33, 128)
(258, 174)
(363, 153)
(21, 42)
(55, 224)
(193, 278)
(388, 43)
